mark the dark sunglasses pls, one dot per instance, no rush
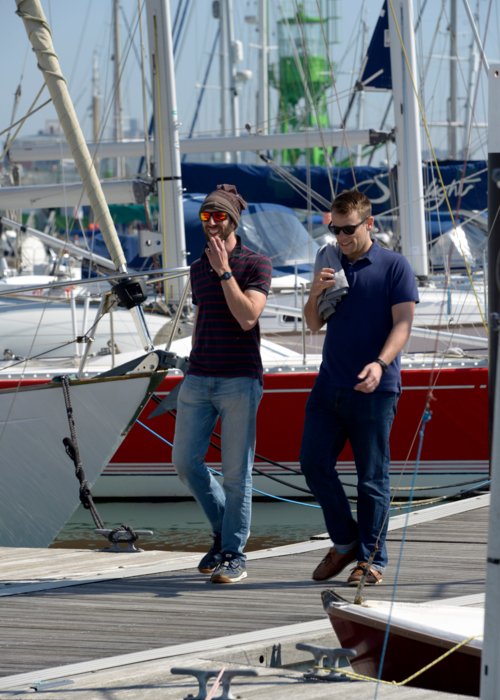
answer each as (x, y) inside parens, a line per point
(217, 216)
(349, 230)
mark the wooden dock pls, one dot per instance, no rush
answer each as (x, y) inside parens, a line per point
(92, 624)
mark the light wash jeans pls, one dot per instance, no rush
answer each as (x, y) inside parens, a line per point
(334, 416)
(201, 401)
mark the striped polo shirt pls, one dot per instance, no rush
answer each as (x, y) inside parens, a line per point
(221, 348)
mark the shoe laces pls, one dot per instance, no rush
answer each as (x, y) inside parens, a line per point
(328, 556)
(231, 563)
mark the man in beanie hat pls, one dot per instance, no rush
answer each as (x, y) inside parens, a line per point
(229, 285)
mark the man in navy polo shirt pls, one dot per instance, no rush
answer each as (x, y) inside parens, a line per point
(229, 285)
(356, 392)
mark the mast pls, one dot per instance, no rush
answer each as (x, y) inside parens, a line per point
(490, 668)
(166, 144)
(408, 146)
(117, 101)
(40, 37)
(361, 94)
(234, 57)
(96, 105)
(452, 115)
(219, 12)
(263, 95)
(471, 83)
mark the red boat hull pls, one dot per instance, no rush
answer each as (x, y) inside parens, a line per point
(444, 455)
(406, 652)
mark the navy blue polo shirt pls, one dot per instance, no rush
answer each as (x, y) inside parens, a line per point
(221, 348)
(357, 331)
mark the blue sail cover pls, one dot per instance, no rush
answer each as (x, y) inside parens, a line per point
(466, 185)
(274, 228)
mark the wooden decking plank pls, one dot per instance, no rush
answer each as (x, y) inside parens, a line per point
(148, 611)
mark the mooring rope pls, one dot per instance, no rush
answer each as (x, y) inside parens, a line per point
(362, 677)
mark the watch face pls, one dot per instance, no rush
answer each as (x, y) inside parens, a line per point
(226, 276)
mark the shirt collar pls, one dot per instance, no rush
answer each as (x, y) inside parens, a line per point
(370, 255)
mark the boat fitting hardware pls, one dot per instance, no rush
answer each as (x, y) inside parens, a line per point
(331, 670)
(202, 675)
(122, 538)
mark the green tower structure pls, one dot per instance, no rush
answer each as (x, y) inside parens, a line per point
(304, 74)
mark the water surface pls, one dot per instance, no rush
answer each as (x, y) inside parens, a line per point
(181, 525)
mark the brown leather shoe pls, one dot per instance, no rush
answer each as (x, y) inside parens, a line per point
(373, 577)
(332, 564)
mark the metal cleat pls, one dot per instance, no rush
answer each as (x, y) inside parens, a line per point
(203, 675)
(331, 670)
(122, 538)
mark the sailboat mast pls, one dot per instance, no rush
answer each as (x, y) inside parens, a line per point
(233, 88)
(96, 104)
(263, 94)
(490, 668)
(219, 13)
(117, 95)
(166, 143)
(452, 112)
(408, 142)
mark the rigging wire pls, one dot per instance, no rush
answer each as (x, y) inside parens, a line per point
(474, 484)
(20, 122)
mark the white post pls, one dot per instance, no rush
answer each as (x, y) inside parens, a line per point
(490, 668)
(408, 146)
(166, 144)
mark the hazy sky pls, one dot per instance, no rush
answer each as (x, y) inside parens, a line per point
(83, 29)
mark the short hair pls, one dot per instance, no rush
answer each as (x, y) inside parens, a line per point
(352, 200)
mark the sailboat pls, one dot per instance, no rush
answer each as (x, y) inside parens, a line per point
(45, 427)
(454, 455)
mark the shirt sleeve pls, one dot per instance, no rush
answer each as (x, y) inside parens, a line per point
(261, 275)
(404, 286)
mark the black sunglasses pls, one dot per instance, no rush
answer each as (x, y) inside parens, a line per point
(349, 230)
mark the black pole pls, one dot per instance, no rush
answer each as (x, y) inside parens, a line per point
(494, 237)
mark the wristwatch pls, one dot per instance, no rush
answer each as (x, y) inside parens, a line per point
(226, 276)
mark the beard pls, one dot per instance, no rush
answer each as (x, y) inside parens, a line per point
(223, 234)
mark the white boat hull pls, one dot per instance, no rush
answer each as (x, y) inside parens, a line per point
(39, 489)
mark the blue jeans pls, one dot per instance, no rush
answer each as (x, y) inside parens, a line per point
(334, 416)
(201, 401)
